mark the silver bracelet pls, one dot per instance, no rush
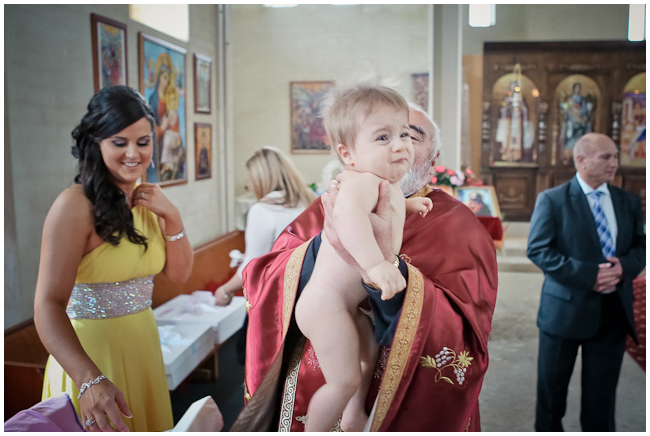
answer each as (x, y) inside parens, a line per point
(180, 235)
(95, 381)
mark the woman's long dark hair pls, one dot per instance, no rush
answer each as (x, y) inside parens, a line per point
(110, 111)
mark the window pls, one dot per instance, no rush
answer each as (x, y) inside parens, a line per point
(482, 15)
(636, 23)
(174, 20)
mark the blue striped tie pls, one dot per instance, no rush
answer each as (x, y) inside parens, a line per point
(606, 241)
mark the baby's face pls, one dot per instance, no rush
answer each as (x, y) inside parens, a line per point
(383, 145)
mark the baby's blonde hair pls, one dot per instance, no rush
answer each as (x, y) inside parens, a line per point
(270, 170)
(344, 104)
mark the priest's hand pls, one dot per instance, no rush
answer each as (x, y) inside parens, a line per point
(380, 221)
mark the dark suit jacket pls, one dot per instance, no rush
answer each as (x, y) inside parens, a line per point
(563, 242)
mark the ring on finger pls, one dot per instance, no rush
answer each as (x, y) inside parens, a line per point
(142, 195)
(90, 422)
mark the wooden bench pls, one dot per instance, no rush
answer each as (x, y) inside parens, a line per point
(26, 357)
(211, 264)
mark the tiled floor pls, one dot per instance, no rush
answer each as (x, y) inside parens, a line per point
(227, 391)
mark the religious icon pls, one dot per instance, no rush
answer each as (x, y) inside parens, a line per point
(162, 82)
(633, 128)
(576, 97)
(515, 133)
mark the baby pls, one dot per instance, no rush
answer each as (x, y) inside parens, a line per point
(368, 127)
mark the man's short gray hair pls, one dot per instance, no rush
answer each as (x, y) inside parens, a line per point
(436, 130)
(584, 145)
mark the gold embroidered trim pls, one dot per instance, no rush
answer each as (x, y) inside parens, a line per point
(447, 358)
(247, 395)
(402, 342)
(312, 359)
(291, 278)
(405, 258)
(382, 360)
(290, 386)
(426, 189)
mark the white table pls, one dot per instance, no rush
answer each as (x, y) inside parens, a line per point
(202, 326)
(225, 321)
(184, 347)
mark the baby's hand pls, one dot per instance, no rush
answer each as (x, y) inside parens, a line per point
(386, 277)
(421, 205)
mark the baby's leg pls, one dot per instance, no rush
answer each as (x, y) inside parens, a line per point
(354, 415)
(336, 342)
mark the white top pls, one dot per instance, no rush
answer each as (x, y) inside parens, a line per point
(605, 204)
(264, 224)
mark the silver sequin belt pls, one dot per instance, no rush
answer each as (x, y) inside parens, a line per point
(110, 300)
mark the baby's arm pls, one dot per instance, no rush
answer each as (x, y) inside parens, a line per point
(356, 199)
(421, 205)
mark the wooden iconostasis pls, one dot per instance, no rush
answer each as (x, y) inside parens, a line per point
(539, 98)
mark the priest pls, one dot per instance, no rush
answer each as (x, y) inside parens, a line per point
(433, 335)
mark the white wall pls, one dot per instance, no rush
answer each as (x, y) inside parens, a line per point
(548, 22)
(274, 46)
(48, 83)
(49, 80)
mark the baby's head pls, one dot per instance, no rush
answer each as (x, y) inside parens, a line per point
(348, 104)
(374, 117)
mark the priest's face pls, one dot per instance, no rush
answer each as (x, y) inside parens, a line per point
(422, 136)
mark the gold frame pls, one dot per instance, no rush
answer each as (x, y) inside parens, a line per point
(487, 191)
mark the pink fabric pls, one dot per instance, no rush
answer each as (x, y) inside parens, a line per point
(53, 414)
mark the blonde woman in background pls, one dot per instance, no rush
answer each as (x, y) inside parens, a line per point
(281, 195)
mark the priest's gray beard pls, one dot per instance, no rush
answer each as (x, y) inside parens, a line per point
(415, 178)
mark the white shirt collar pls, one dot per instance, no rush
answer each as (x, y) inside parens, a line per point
(588, 189)
(274, 195)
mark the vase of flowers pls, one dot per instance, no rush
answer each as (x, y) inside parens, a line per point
(447, 179)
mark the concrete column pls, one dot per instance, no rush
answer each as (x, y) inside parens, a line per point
(446, 82)
(225, 105)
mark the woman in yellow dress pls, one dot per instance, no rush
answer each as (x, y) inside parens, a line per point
(103, 241)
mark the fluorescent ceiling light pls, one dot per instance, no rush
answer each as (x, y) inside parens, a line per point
(636, 23)
(482, 15)
(280, 6)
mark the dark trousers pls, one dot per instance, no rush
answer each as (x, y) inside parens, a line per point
(602, 356)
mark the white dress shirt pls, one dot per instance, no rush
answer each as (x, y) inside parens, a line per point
(605, 203)
(264, 224)
(608, 209)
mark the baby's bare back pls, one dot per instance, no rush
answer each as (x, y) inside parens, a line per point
(335, 283)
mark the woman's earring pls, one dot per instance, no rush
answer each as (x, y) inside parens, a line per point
(152, 165)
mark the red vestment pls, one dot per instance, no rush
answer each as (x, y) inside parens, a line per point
(431, 376)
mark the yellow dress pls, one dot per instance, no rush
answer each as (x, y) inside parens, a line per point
(110, 310)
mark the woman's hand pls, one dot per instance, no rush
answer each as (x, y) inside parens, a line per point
(179, 256)
(222, 297)
(102, 402)
(152, 197)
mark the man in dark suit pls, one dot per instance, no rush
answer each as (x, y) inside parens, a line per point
(588, 238)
